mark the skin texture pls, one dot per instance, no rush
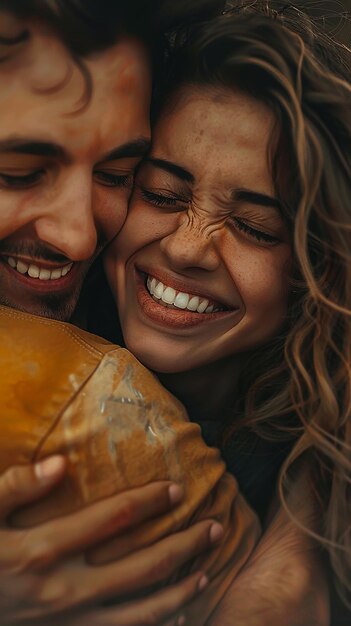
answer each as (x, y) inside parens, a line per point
(63, 206)
(284, 581)
(193, 231)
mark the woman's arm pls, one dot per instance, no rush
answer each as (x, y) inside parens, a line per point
(284, 582)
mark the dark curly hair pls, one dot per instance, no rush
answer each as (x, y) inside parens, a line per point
(90, 25)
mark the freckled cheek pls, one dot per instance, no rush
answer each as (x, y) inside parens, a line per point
(143, 226)
(262, 285)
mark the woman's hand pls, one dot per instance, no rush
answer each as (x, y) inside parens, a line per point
(43, 573)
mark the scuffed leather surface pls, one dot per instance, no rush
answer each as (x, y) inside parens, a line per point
(65, 390)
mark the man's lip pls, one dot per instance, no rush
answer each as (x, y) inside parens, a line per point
(185, 286)
(44, 286)
(170, 317)
(48, 265)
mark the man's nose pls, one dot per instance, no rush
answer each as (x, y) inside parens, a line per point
(68, 220)
(191, 245)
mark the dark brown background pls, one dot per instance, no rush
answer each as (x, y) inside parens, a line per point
(336, 14)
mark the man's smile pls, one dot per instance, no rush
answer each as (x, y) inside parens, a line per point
(41, 276)
(38, 269)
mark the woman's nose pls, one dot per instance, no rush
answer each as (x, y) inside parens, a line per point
(190, 245)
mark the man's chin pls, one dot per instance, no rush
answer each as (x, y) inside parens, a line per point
(53, 307)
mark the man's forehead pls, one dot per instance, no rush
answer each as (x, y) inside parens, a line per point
(25, 146)
(41, 61)
(45, 93)
(128, 54)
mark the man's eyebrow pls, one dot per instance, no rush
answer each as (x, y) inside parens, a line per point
(254, 197)
(136, 148)
(171, 168)
(34, 147)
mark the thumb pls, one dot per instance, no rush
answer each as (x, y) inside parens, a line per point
(22, 484)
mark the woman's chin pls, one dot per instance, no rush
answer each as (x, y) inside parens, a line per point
(158, 364)
(159, 359)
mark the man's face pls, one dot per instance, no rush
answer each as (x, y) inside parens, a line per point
(67, 158)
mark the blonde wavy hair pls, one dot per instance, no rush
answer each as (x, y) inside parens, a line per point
(300, 384)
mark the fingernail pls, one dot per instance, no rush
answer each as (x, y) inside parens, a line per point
(216, 532)
(175, 493)
(203, 582)
(181, 620)
(44, 470)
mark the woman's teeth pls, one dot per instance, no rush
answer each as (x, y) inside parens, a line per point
(180, 300)
(36, 272)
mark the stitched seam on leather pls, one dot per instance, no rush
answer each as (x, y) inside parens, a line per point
(71, 400)
(46, 435)
(79, 340)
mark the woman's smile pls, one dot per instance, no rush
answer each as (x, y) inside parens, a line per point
(169, 301)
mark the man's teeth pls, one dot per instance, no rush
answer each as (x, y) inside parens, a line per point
(179, 299)
(36, 272)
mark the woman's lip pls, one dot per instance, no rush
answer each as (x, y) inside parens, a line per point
(179, 285)
(172, 317)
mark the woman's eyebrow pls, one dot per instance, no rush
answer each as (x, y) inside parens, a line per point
(255, 197)
(171, 168)
(243, 195)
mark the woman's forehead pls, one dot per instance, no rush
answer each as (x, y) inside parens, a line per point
(219, 111)
(225, 133)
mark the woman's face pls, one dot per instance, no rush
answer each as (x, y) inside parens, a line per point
(200, 267)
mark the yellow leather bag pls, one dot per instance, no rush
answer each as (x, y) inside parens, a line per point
(65, 390)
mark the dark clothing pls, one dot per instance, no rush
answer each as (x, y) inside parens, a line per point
(253, 461)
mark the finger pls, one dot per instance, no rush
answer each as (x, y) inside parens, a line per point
(160, 606)
(73, 584)
(122, 545)
(146, 567)
(112, 516)
(20, 485)
(154, 610)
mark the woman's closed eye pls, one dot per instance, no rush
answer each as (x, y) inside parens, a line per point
(165, 199)
(255, 233)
